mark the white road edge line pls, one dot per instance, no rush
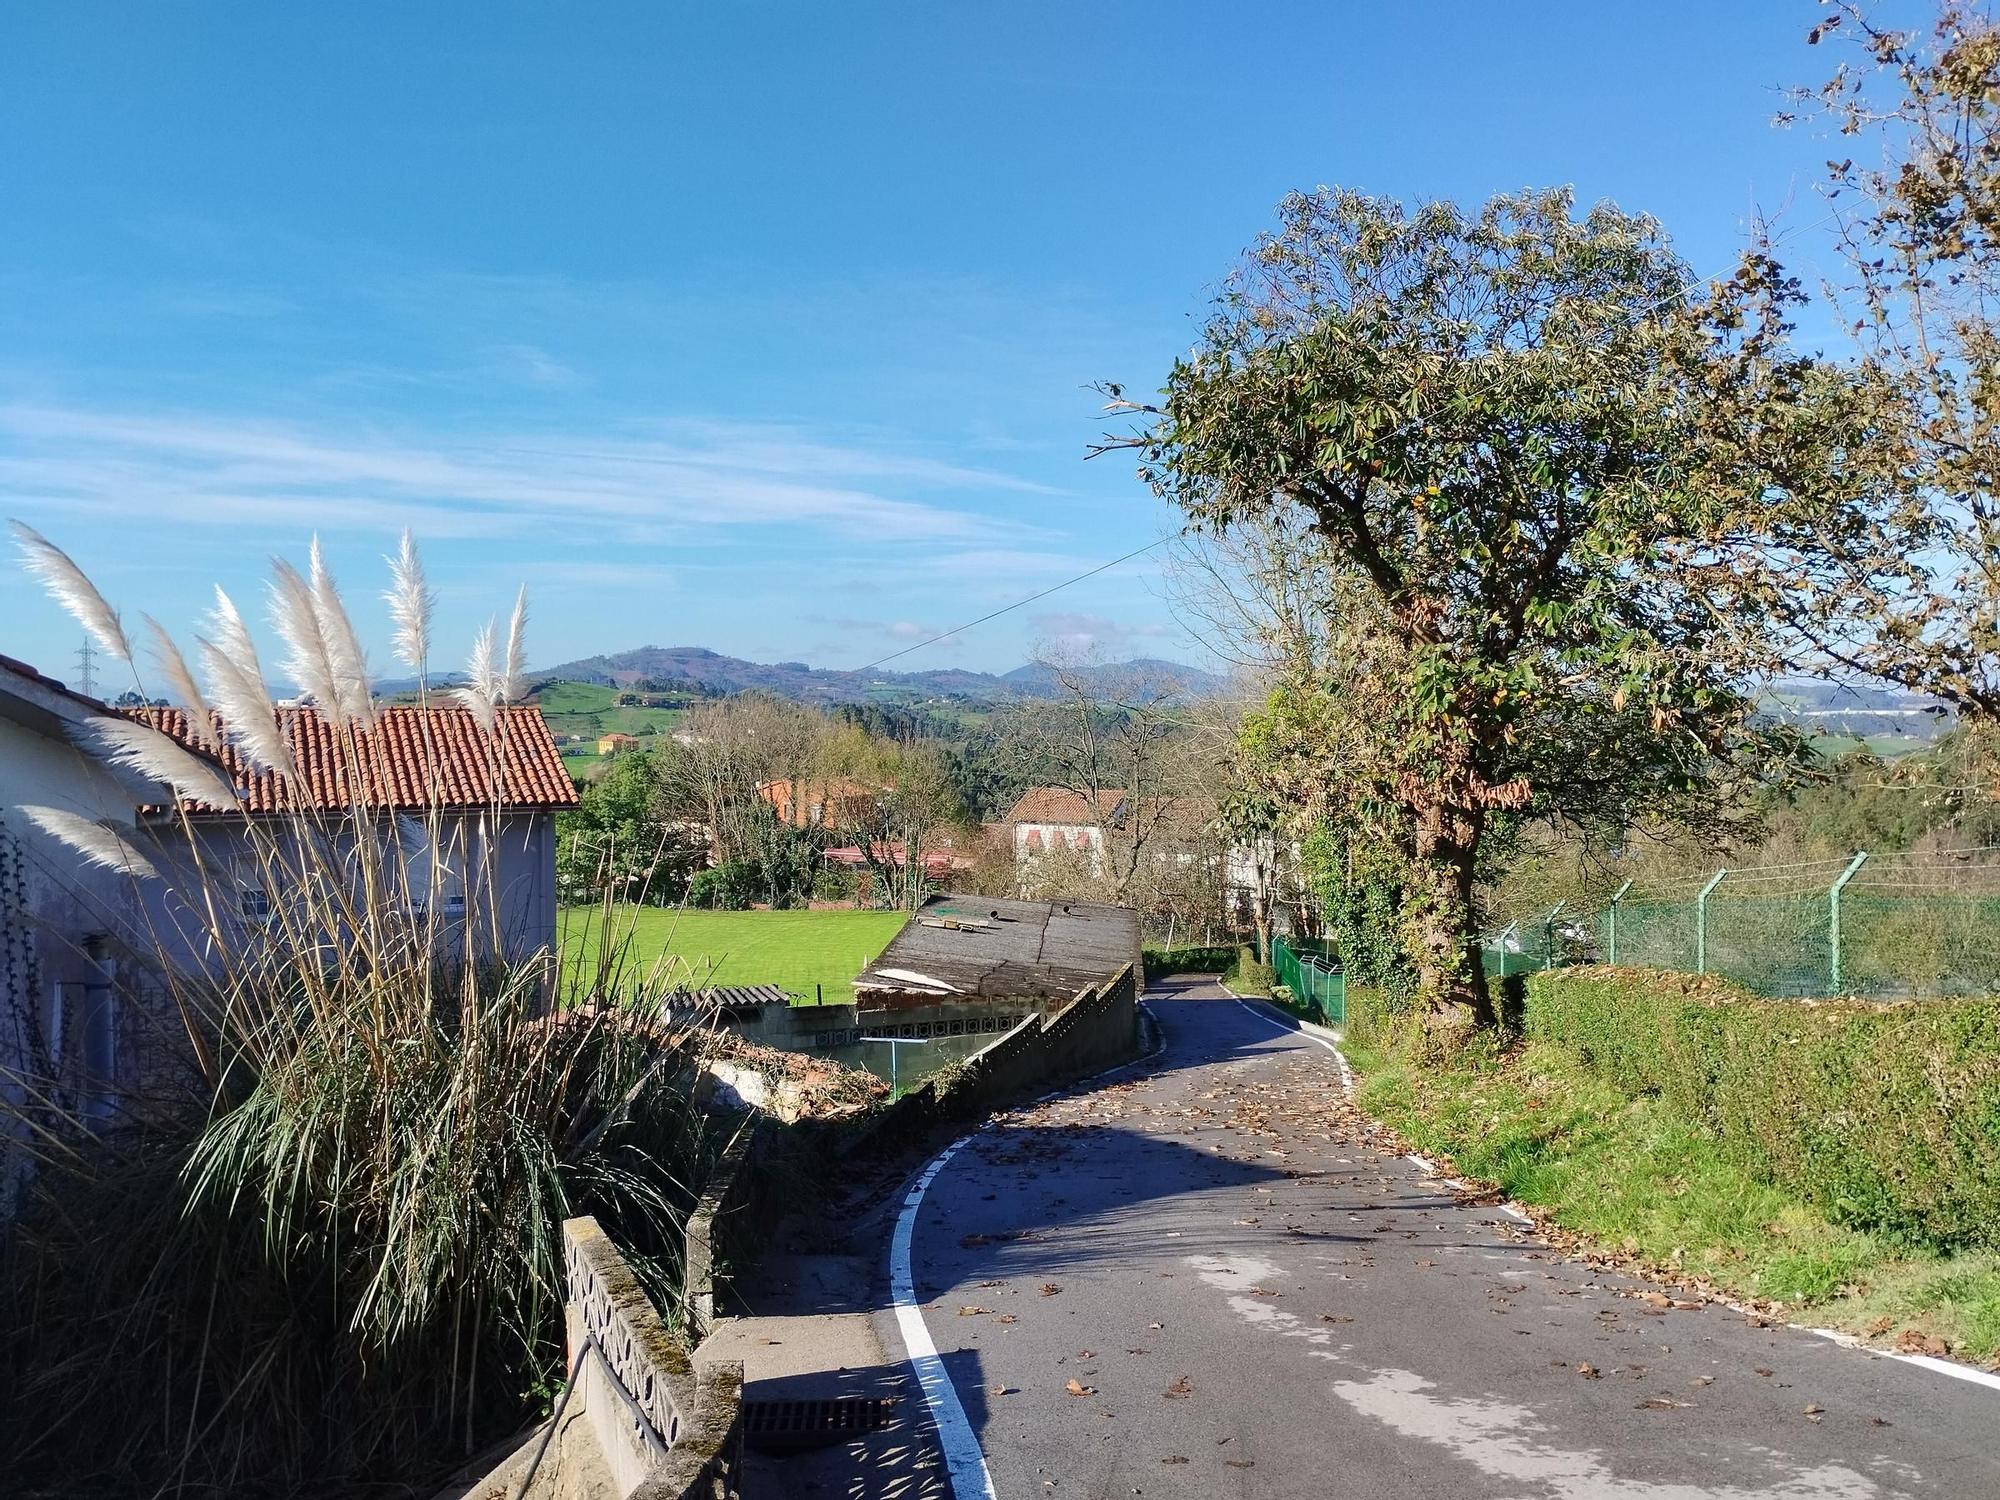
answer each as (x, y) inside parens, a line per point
(1956, 1371)
(964, 1460)
(1301, 1029)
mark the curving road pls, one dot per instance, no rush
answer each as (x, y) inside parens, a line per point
(1206, 1277)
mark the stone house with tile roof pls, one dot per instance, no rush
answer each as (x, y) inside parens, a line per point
(84, 1010)
(491, 801)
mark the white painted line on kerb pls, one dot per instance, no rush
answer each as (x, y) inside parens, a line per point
(964, 1461)
(1949, 1367)
(1346, 1073)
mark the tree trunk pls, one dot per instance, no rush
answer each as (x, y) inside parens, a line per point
(1451, 972)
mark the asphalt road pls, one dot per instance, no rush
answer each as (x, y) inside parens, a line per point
(1206, 1277)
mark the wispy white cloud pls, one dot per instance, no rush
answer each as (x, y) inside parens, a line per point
(895, 630)
(1082, 634)
(202, 469)
(532, 365)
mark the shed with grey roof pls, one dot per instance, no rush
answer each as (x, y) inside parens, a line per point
(981, 946)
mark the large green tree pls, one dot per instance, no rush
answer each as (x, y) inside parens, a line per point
(1501, 431)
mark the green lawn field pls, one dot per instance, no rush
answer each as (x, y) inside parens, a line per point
(588, 708)
(796, 949)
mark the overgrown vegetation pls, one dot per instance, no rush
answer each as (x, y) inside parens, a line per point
(330, 1258)
(1884, 1117)
(1640, 1174)
(1632, 1176)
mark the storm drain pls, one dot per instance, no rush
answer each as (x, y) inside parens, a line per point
(787, 1426)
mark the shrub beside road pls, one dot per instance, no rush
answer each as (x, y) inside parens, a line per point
(1821, 1156)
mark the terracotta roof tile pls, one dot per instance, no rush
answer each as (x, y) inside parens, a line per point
(1065, 808)
(412, 758)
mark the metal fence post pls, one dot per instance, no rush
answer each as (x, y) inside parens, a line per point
(1611, 932)
(1833, 920)
(1701, 923)
(1500, 946)
(1549, 936)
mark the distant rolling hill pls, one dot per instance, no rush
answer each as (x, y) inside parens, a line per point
(795, 680)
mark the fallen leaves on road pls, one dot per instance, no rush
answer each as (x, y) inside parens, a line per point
(1174, 1458)
(970, 1311)
(1661, 1403)
(1590, 1372)
(1180, 1390)
(1914, 1341)
(1050, 1289)
(1077, 1388)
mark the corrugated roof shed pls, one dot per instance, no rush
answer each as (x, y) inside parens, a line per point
(978, 945)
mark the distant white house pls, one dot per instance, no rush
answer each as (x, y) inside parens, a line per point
(1054, 819)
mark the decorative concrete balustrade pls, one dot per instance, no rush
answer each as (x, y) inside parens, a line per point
(638, 1421)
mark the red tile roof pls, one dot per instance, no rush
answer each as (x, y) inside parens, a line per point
(1065, 808)
(403, 762)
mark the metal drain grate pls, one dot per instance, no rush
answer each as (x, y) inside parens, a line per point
(784, 1426)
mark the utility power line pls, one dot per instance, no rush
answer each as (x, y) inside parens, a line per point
(1019, 603)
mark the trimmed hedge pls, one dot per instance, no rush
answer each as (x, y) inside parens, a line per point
(1211, 960)
(1885, 1116)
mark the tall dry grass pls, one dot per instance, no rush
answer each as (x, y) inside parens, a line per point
(334, 1264)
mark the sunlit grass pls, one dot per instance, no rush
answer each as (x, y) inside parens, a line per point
(811, 953)
(1627, 1173)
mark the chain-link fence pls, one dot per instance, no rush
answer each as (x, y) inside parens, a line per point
(1880, 926)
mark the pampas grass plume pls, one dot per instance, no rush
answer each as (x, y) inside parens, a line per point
(349, 663)
(68, 586)
(307, 660)
(98, 843)
(160, 757)
(236, 684)
(410, 603)
(514, 684)
(480, 695)
(174, 667)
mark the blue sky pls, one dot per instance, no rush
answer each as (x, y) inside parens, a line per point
(759, 326)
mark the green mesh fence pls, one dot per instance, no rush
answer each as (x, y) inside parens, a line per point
(1312, 979)
(1881, 927)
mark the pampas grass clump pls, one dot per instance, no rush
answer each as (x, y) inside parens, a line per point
(337, 1264)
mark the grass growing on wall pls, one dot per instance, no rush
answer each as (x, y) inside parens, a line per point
(795, 949)
(1633, 1172)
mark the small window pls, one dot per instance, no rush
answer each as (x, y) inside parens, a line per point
(253, 902)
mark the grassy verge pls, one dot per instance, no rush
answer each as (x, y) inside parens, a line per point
(1630, 1175)
(796, 949)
